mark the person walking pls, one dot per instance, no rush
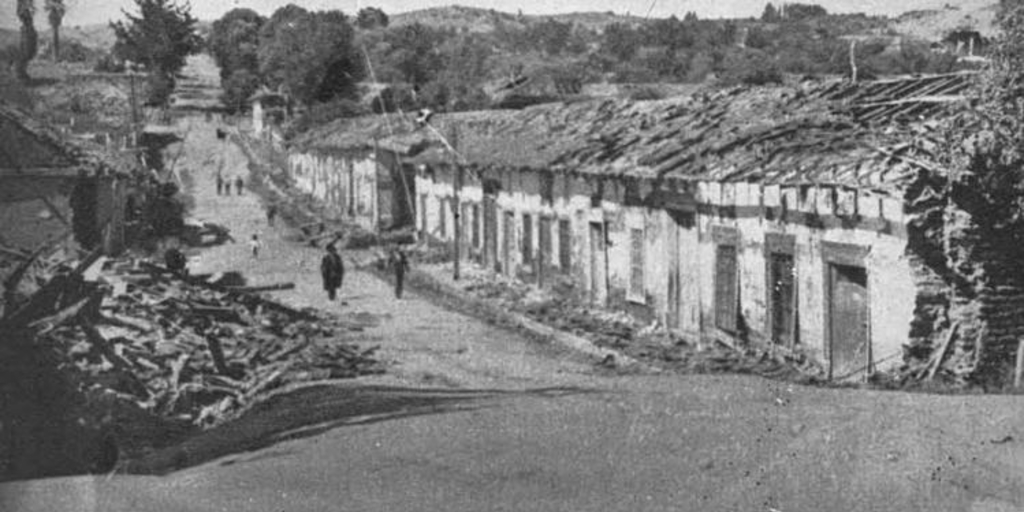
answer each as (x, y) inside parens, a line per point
(238, 185)
(399, 263)
(332, 270)
(220, 184)
(255, 245)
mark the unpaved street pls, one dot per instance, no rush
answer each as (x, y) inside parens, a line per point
(473, 418)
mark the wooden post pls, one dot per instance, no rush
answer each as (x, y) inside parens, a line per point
(456, 204)
(853, 60)
(1019, 373)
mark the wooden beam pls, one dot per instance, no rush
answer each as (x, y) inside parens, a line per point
(1018, 373)
(941, 354)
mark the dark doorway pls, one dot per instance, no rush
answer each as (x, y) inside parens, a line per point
(544, 254)
(781, 279)
(491, 231)
(849, 347)
(598, 263)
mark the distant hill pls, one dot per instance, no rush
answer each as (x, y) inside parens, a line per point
(935, 24)
(477, 20)
(99, 37)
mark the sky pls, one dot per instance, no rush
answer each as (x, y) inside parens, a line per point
(85, 12)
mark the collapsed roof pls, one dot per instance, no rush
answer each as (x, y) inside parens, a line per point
(30, 147)
(869, 134)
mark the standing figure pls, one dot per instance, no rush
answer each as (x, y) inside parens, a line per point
(332, 270)
(254, 245)
(238, 185)
(271, 214)
(220, 184)
(176, 262)
(400, 264)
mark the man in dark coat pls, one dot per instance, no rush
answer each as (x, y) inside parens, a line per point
(332, 270)
(176, 262)
(238, 185)
(399, 263)
(220, 184)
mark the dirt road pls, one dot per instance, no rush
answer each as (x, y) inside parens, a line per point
(473, 418)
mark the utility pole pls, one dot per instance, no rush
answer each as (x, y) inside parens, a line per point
(456, 205)
(134, 106)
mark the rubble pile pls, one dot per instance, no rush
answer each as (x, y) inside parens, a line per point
(190, 351)
(149, 349)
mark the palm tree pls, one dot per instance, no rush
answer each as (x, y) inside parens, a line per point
(29, 38)
(55, 10)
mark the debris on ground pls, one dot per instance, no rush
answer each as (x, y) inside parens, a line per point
(151, 349)
(558, 305)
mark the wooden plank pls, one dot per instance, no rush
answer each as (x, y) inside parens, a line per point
(941, 354)
(262, 288)
(1018, 374)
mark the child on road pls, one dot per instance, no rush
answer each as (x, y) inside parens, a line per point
(254, 245)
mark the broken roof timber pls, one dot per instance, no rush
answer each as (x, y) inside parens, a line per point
(824, 133)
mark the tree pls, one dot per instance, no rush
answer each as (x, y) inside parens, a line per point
(621, 41)
(551, 36)
(234, 42)
(799, 12)
(770, 14)
(415, 52)
(370, 18)
(238, 88)
(311, 54)
(29, 38)
(160, 38)
(55, 10)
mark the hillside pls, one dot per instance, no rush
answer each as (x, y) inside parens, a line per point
(477, 20)
(934, 24)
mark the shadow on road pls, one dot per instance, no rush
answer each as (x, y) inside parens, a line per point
(314, 410)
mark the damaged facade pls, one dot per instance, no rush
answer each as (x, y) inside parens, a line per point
(782, 218)
(50, 188)
(354, 175)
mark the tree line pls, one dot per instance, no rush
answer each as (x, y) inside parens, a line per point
(321, 56)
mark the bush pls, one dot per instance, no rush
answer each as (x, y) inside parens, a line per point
(109, 64)
(750, 67)
(160, 88)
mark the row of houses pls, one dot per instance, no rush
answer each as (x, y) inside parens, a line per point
(777, 217)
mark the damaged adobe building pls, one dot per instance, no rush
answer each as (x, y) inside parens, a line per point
(51, 189)
(810, 220)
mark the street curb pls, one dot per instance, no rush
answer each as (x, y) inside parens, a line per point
(461, 301)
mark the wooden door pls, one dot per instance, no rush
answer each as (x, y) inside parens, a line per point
(508, 245)
(598, 263)
(544, 253)
(783, 298)
(849, 347)
(689, 273)
(672, 316)
(491, 232)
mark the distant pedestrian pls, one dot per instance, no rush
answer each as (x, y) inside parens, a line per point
(332, 270)
(176, 262)
(271, 214)
(238, 185)
(220, 184)
(399, 263)
(254, 245)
